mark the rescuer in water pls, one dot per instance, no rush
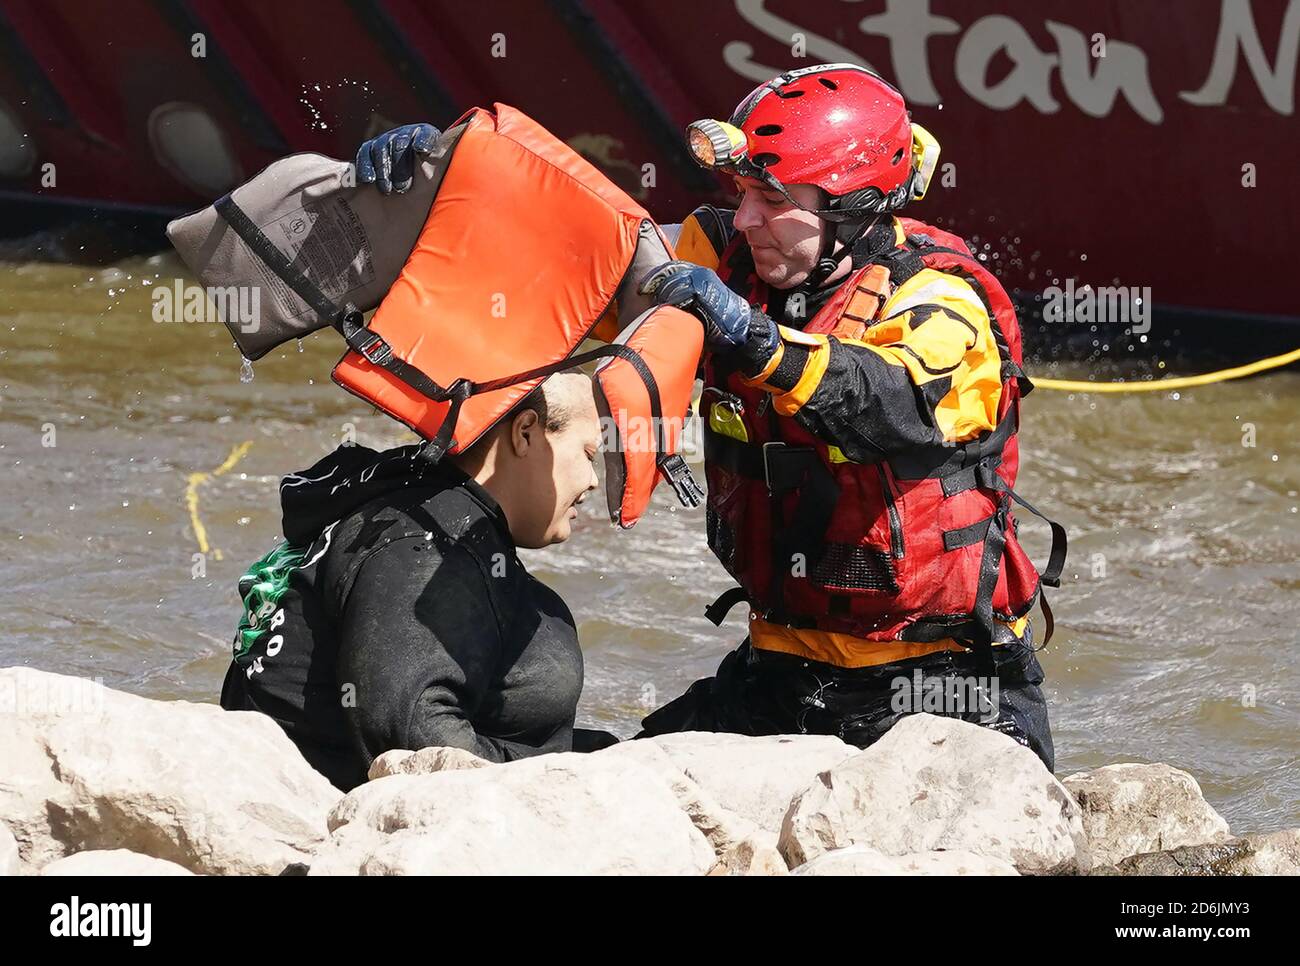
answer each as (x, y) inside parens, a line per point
(862, 385)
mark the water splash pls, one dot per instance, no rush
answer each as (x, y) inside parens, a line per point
(317, 120)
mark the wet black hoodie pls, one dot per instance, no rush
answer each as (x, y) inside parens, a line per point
(397, 614)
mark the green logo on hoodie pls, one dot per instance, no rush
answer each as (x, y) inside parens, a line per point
(261, 589)
(267, 581)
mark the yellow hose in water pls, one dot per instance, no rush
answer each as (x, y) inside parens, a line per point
(1181, 382)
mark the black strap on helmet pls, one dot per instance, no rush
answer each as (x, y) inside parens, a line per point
(862, 244)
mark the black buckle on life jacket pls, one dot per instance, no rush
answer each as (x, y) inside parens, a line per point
(679, 477)
(370, 345)
(376, 351)
(969, 477)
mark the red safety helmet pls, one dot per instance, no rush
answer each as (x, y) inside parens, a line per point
(840, 127)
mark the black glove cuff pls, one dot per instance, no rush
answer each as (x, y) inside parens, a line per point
(760, 342)
(787, 372)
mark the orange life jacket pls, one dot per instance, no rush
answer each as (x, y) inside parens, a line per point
(526, 246)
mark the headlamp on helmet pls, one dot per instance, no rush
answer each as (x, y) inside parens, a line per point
(716, 144)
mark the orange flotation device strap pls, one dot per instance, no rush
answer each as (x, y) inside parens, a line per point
(644, 397)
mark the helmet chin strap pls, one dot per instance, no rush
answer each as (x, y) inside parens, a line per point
(870, 215)
(834, 251)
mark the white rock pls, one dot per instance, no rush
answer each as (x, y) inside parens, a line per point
(755, 855)
(934, 783)
(850, 860)
(423, 762)
(957, 862)
(755, 778)
(113, 862)
(215, 791)
(567, 814)
(10, 863)
(861, 860)
(724, 829)
(1275, 853)
(1133, 808)
(1267, 853)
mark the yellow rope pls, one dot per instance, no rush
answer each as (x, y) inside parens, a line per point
(192, 495)
(1161, 385)
(1065, 385)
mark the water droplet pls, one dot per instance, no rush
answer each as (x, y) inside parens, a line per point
(245, 369)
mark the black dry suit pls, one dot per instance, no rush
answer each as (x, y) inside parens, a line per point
(396, 614)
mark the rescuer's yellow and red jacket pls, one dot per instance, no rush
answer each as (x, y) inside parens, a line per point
(860, 485)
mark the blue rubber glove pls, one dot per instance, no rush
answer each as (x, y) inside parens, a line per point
(731, 324)
(388, 161)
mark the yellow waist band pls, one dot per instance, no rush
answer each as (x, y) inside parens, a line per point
(846, 650)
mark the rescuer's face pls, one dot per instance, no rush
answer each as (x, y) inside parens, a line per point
(786, 240)
(556, 466)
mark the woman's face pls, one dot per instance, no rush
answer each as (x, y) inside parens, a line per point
(553, 470)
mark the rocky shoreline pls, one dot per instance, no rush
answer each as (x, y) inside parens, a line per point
(99, 782)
